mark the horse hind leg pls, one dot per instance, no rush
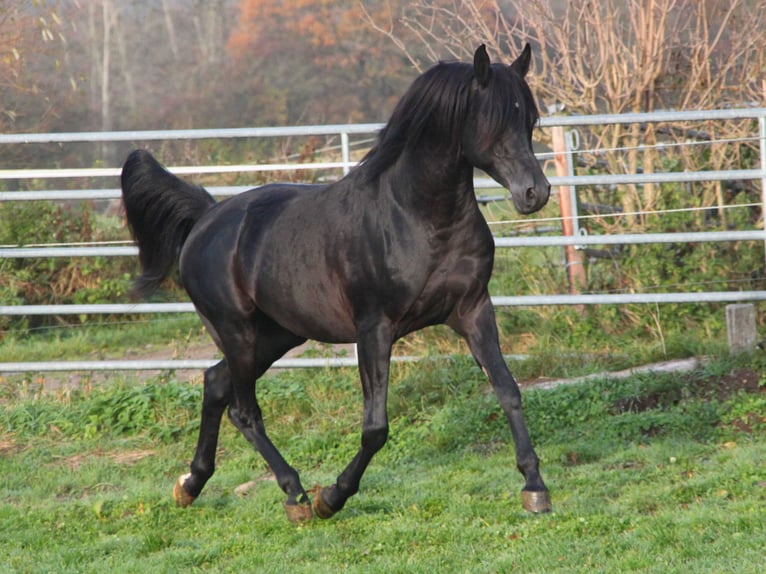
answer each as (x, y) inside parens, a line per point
(246, 416)
(250, 350)
(216, 397)
(268, 343)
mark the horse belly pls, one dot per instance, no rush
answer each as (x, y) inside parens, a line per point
(309, 307)
(425, 313)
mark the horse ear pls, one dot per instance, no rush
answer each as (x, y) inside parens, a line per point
(521, 64)
(481, 68)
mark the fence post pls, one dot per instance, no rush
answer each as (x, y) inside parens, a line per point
(740, 327)
(762, 148)
(567, 202)
(345, 152)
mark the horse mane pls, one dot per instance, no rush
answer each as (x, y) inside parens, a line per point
(435, 108)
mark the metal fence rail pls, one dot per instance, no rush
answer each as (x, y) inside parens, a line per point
(344, 131)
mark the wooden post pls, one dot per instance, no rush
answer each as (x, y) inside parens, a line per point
(740, 327)
(574, 258)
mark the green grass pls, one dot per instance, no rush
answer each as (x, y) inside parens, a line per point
(652, 474)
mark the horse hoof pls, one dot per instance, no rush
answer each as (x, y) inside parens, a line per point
(182, 498)
(321, 508)
(536, 501)
(299, 513)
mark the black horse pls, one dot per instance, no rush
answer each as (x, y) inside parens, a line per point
(397, 245)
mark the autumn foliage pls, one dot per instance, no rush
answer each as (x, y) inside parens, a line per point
(323, 49)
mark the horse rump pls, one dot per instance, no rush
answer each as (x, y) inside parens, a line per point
(161, 210)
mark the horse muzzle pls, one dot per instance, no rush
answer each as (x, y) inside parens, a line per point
(531, 198)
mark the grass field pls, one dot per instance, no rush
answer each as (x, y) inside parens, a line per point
(656, 473)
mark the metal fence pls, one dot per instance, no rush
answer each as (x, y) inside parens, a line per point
(344, 133)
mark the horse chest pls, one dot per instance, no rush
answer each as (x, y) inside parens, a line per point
(445, 287)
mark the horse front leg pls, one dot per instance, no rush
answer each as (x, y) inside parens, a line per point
(479, 328)
(374, 358)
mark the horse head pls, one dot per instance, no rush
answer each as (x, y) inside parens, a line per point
(497, 136)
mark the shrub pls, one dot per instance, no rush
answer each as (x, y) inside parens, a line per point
(34, 281)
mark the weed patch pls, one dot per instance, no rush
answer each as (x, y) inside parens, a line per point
(163, 409)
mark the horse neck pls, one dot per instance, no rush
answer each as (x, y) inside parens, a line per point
(435, 184)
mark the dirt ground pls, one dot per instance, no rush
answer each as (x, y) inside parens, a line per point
(55, 381)
(741, 379)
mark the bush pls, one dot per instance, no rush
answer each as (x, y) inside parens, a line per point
(34, 281)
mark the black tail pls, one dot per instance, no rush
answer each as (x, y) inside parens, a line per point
(161, 211)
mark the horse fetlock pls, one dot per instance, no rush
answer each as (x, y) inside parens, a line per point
(324, 504)
(529, 466)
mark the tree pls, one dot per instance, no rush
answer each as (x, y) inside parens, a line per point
(612, 57)
(29, 34)
(34, 84)
(321, 57)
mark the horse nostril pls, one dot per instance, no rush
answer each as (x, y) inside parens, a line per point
(531, 196)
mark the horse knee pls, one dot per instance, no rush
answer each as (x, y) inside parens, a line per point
(374, 438)
(214, 401)
(514, 402)
(217, 387)
(509, 398)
